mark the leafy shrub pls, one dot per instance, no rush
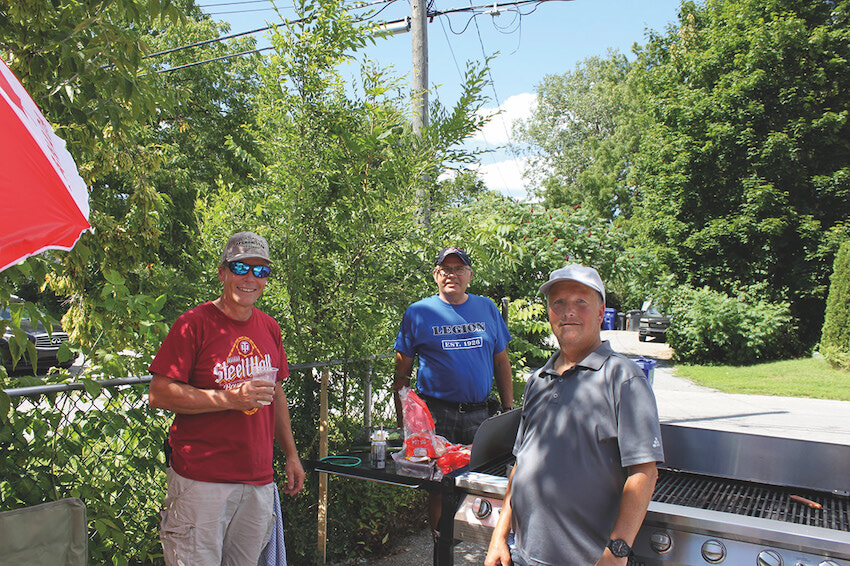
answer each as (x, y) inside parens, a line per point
(102, 445)
(528, 323)
(835, 339)
(712, 327)
(364, 518)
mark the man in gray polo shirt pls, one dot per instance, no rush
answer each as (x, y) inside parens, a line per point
(587, 445)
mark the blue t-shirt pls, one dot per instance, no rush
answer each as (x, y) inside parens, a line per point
(455, 344)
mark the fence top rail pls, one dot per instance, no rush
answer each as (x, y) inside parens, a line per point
(37, 390)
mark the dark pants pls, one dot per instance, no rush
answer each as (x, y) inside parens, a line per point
(455, 426)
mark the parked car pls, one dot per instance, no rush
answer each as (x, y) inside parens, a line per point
(653, 324)
(46, 345)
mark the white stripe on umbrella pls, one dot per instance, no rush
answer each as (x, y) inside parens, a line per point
(43, 200)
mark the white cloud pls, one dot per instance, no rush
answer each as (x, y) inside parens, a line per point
(505, 177)
(500, 171)
(498, 130)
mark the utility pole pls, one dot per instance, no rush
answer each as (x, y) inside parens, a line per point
(419, 32)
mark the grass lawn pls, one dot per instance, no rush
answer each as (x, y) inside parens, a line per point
(807, 377)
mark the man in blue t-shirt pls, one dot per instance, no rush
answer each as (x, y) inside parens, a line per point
(461, 342)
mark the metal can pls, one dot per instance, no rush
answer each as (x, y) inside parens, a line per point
(379, 450)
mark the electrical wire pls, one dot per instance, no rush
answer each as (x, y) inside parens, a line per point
(515, 23)
(452, 51)
(496, 96)
(491, 6)
(431, 15)
(357, 6)
(204, 6)
(229, 12)
(214, 59)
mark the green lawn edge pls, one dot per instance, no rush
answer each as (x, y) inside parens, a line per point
(811, 378)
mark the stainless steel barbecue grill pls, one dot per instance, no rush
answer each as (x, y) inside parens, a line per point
(721, 498)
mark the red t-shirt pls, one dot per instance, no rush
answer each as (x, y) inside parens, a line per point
(209, 350)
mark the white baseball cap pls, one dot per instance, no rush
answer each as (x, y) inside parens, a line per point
(578, 273)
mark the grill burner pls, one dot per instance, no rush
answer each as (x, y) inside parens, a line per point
(751, 500)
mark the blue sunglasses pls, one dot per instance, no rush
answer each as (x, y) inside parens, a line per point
(241, 268)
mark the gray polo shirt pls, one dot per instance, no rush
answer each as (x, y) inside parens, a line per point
(579, 433)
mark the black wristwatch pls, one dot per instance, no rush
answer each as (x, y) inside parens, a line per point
(619, 548)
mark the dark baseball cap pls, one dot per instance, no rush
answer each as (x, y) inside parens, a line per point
(441, 257)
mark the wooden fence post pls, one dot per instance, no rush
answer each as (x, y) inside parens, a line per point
(323, 477)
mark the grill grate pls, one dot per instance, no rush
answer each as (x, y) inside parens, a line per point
(752, 500)
(498, 467)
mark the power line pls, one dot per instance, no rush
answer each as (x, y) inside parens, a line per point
(431, 14)
(498, 102)
(214, 59)
(228, 12)
(233, 3)
(452, 51)
(249, 52)
(262, 29)
(217, 39)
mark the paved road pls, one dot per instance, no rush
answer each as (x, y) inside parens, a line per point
(684, 403)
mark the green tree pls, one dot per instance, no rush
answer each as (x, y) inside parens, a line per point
(150, 144)
(515, 245)
(581, 134)
(835, 340)
(337, 202)
(745, 172)
(711, 327)
(82, 62)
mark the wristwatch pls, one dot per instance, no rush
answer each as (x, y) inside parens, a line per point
(619, 548)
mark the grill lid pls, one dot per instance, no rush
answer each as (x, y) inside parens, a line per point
(494, 440)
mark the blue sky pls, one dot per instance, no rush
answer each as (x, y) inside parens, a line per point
(532, 40)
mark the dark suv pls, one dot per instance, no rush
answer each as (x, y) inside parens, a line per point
(653, 324)
(46, 345)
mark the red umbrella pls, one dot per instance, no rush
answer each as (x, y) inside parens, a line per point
(43, 200)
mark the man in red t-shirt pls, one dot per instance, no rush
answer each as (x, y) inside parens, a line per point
(220, 371)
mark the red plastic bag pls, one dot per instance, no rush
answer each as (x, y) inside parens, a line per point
(456, 456)
(419, 438)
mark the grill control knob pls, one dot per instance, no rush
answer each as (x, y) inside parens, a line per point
(481, 508)
(713, 551)
(660, 542)
(769, 558)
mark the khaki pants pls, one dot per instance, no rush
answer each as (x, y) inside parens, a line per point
(213, 524)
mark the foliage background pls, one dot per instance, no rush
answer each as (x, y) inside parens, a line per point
(709, 171)
(835, 342)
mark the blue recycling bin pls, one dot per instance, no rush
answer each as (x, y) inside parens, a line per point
(648, 367)
(609, 318)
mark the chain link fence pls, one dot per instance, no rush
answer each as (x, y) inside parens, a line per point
(101, 442)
